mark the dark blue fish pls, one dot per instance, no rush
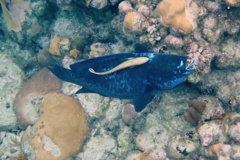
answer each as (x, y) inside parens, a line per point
(139, 83)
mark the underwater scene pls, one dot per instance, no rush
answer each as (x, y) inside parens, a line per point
(120, 80)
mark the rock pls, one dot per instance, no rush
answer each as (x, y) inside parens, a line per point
(125, 7)
(11, 79)
(59, 133)
(182, 146)
(97, 49)
(10, 145)
(211, 132)
(174, 42)
(230, 56)
(98, 4)
(100, 147)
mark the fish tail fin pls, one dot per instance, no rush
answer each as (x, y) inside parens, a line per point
(59, 71)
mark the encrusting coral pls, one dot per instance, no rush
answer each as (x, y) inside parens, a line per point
(58, 45)
(60, 131)
(173, 14)
(27, 99)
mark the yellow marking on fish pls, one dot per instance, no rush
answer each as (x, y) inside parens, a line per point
(129, 63)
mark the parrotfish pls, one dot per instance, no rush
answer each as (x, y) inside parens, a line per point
(137, 76)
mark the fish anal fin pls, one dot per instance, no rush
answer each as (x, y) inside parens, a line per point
(141, 102)
(84, 90)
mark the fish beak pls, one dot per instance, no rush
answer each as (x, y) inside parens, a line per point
(190, 65)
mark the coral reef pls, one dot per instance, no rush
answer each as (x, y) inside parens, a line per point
(73, 30)
(60, 131)
(233, 2)
(229, 56)
(28, 99)
(134, 22)
(58, 46)
(173, 14)
(194, 114)
(125, 7)
(221, 139)
(98, 4)
(97, 49)
(14, 13)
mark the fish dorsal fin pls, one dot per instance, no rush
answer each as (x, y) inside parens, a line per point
(131, 62)
(140, 48)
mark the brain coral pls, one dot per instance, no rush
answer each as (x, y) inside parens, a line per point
(233, 2)
(134, 22)
(173, 14)
(60, 131)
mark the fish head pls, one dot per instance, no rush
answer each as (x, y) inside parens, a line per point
(189, 66)
(179, 65)
(173, 70)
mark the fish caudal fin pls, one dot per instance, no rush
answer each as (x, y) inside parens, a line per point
(59, 71)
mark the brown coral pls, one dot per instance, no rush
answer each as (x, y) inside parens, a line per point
(233, 2)
(54, 48)
(15, 13)
(133, 23)
(173, 14)
(194, 114)
(57, 45)
(34, 89)
(60, 131)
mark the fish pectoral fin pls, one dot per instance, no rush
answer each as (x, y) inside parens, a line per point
(131, 62)
(141, 102)
(84, 90)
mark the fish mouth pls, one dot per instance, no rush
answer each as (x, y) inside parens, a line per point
(190, 65)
